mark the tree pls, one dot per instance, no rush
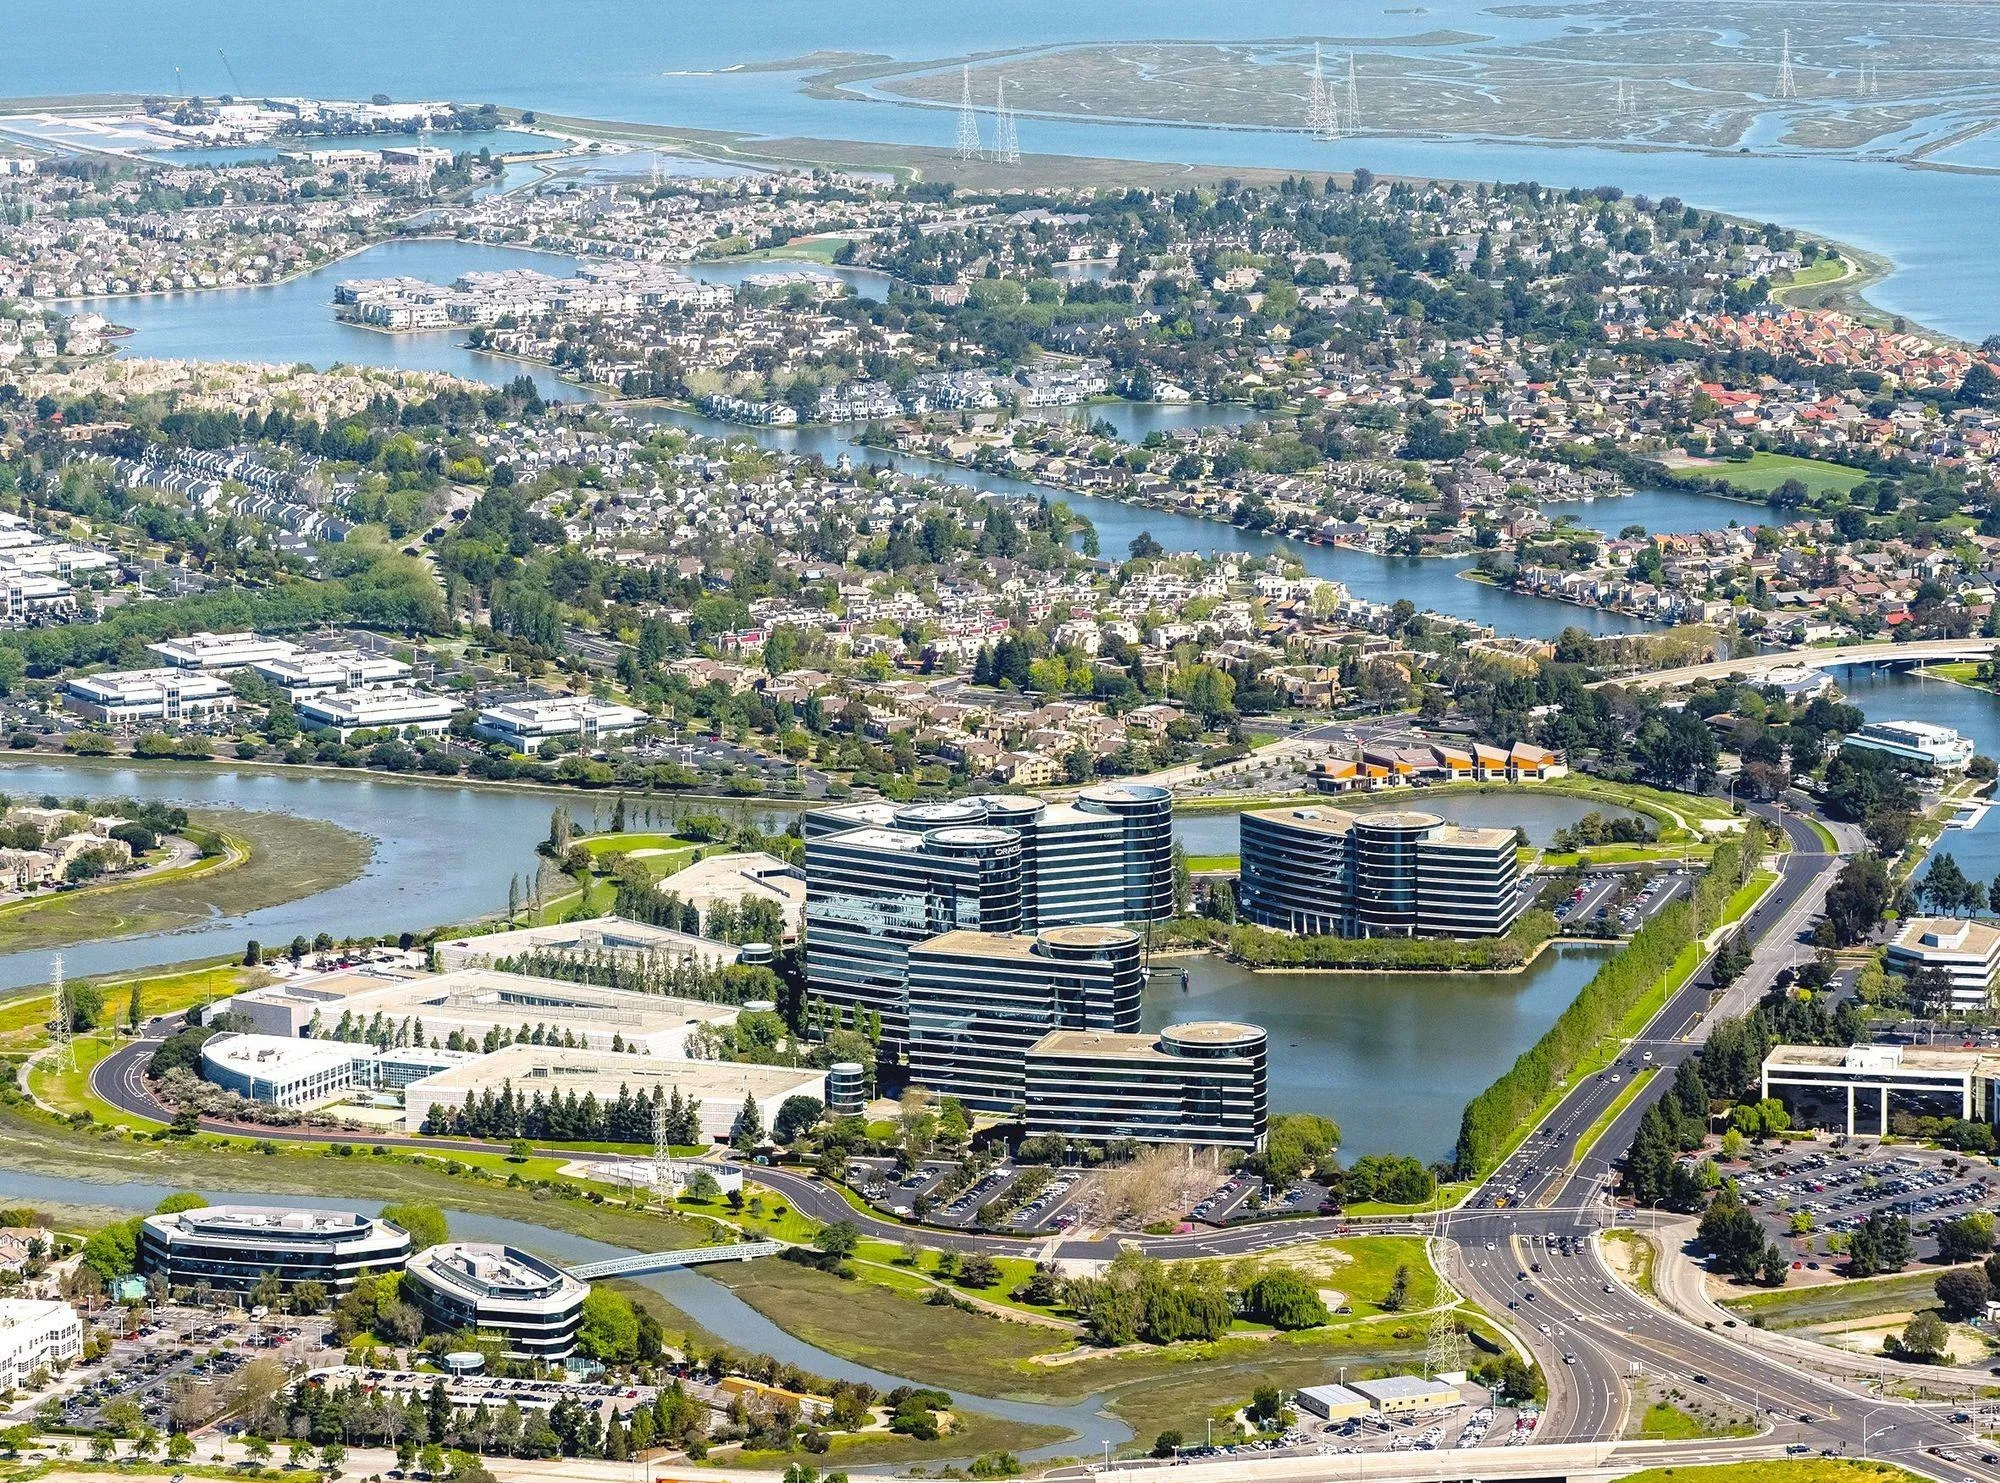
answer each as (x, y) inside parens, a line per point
(1285, 1301)
(796, 1115)
(837, 1240)
(1966, 1238)
(1732, 1237)
(749, 1130)
(1964, 1295)
(1855, 904)
(1167, 1443)
(610, 1332)
(1925, 1338)
(257, 1450)
(425, 1223)
(180, 1447)
(134, 1010)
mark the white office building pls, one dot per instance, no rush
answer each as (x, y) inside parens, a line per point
(1915, 741)
(278, 1071)
(36, 1335)
(318, 671)
(222, 650)
(483, 1287)
(1855, 1088)
(525, 724)
(345, 712)
(1968, 953)
(124, 697)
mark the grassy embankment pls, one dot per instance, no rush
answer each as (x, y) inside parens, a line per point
(1778, 1470)
(272, 858)
(870, 1322)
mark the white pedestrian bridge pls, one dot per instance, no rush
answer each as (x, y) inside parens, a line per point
(1758, 666)
(660, 1261)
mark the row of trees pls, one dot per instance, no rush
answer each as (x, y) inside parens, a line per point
(1492, 1117)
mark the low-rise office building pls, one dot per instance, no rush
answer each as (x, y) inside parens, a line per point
(525, 724)
(1333, 1402)
(321, 671)
(592, 939)
(279, 1071)
(543, 1073)
(1400, 873)
(345, 712)
(463, 1008)
(286, 1072)
(234, 1247)
(737, 879)
(36, 1335)
(124, 697)
(1205, 1082)
(1408, 1395)
(1856, 1089)
(1915, 741)
(223, 650)
(483, 1287)
(979, 1000)
(1967, 953)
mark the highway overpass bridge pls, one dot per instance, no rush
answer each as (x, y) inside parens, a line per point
(1574, 1462)
(1759, 666)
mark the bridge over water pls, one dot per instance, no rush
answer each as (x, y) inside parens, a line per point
(640, 1263)
(1756, 666)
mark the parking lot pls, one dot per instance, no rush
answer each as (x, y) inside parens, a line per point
(1618, 903)
(923, 1192)
(1481, 1424)
(173, 1349)
(1836, 1184)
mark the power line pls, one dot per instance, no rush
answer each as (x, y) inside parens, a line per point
(967, 145)
(663, 1154)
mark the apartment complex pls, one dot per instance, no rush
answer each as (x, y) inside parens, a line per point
(1325, 871)
(1204, 1082)
(978, 1001)
(881, 878)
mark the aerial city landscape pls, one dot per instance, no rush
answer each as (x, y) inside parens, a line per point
(1247, 743)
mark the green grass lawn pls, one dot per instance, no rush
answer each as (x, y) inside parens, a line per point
(600, 845)
(1214, 864)
(1766, 471)
(70, 1090)
(1666, 1422)
(1644, 1255)
(1835, 1302)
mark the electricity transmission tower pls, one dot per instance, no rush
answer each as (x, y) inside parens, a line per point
(1353, 99)
(1006, 137)
(1444, 1347)
(1322, 112)
(663, 1155)
(1788, 85)
(64, 1053)
(967, 145)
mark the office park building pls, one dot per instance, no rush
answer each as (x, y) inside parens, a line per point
(1204, 1082)
(978, 1001)
(883, 877)
(1325, 871)
(232, 1248)
(484, 1287)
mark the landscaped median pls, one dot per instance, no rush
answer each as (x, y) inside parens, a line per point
(1660, 958)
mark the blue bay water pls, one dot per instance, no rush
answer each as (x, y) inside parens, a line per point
(623, 59)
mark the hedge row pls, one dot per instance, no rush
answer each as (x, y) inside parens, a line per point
(1492, 1117)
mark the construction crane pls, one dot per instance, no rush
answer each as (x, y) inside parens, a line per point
(233, 82)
